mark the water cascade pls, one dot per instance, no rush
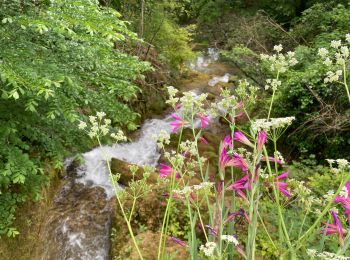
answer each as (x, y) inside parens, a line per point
(78, 225)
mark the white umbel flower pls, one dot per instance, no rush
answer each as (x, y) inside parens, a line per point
(278, 48)
(208, 248)
(230, 239)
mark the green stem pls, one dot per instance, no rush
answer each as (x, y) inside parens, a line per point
(165, 223)
(167, 209)
(118, 199)
(266, 231)
(302, 224)
(162, 230)
(345, 83)
(273, 97)
(280, 215)
(203, 227)
(200, 167)
(318, 220)
(346, 246)
(132, 208)
(192, 247)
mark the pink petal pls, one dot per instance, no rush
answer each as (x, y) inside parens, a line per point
(203, 140)
(240, 137)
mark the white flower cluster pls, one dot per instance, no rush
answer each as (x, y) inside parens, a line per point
(119, 136)
(342, 165)
(273, 84)
(230, 239)
(337, 56)
(272, 123)
(329, 196)
(100, 126)
(172, 99)
(247, 92)
(162, 138)
(315, 201)
(188, 147)
(195, 188)
(344, 192)
(325, 255)
(227, 104)
(264, 175)
(336, 210)
(175, 159)
(304, 194)
(208, 248)
(280, 62)
(193, 104)
(280, 157)
(333, 76)
(186, 190)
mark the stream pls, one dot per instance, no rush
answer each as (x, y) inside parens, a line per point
(79, 224)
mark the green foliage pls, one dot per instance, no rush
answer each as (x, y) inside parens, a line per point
(322, 23)
(321, 109)
(58, 59)
(160, 29)
(172, 42)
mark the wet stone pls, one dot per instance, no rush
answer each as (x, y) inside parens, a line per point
(78, 224)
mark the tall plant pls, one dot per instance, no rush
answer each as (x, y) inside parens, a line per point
(250, 170)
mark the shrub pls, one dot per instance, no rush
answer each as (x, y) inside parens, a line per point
(58, 59)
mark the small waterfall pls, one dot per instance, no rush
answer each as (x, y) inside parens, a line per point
(142, 152)
(203, 61)
(215, 80)
(79, 223)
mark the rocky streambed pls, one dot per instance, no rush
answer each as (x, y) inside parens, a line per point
(79, 224)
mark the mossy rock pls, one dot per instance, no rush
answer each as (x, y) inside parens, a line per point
(233, 79)
(123, 168)
(157, 104)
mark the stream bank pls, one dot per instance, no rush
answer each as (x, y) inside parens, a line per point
(78, 218)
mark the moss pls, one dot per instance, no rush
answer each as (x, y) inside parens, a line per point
(29, 219)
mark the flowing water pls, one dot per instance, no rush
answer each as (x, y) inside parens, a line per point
(78, 225)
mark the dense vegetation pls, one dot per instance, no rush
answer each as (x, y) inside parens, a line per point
(58, 60)
(63, 60)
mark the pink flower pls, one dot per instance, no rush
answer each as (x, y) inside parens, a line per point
(220, 187)
(212, 231)
(282, 186)
(203, 140)
(165, 170)
(345, 201)
(240, 250)
(239, 115)
(240, 212)
(335, 228)
(227, 142)
(178, 123)
(178, 241)
(239, 105)
(262, 137)
(224, 159)
(174, 196)
(240, 137)
(204, 120)
(239, 186)
(239, 162)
